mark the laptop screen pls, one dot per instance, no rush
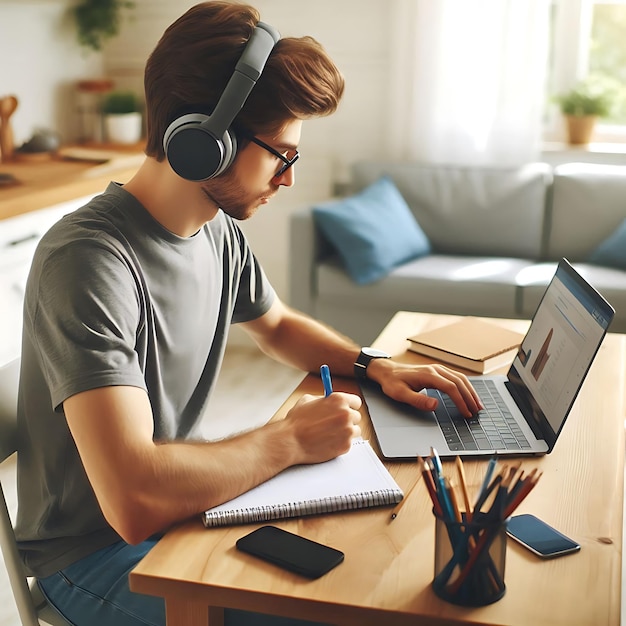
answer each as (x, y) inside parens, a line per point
(566, 332)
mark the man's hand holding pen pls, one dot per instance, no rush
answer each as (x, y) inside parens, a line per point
(324, 428)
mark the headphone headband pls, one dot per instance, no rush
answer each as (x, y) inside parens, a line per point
(244, 78)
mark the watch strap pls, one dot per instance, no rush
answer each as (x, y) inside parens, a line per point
(366, 356)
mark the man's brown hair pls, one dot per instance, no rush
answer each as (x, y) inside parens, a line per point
(196, 56)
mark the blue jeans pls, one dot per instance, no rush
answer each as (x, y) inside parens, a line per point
(94, 592)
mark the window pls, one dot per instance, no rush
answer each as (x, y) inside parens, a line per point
(607, 52)
(588, 43)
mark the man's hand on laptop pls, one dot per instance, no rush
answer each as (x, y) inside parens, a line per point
(403, 382)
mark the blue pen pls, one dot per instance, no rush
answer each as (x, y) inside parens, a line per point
(327, 382)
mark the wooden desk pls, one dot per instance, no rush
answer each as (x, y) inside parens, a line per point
(388, 568)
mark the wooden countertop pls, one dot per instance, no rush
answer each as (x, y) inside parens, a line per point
(43, 183)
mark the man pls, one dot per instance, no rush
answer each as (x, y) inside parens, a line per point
(126, 318)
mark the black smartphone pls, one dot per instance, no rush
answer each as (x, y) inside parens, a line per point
(539, 537)
(289, 551)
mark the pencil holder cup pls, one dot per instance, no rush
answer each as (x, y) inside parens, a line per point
(469, 560)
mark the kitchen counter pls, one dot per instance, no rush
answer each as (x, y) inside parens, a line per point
(43, 183)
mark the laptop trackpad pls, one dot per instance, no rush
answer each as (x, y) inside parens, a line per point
(402, 431)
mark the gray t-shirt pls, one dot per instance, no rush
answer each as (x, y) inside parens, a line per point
(113, 298)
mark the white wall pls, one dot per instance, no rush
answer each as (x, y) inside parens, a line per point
(40, 64)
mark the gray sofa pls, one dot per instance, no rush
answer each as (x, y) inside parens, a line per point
(496, 236)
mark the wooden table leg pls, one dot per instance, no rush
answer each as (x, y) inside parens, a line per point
(181, 612)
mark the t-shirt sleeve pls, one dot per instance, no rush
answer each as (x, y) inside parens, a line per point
(255, 293)
(85, 312)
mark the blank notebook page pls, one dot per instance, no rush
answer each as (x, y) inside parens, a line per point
(353, 480)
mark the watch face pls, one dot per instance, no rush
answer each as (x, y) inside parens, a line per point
(374, 353)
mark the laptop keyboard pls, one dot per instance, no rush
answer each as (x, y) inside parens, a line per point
(492, 429)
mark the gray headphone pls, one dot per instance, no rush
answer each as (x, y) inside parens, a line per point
(200, 146)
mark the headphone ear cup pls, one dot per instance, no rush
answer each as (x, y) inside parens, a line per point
(192, 150)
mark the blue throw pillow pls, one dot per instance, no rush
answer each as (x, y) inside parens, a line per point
(612, 251)
(373, 231)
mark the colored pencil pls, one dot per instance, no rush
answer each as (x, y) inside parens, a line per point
(461, 472)
(432, 489)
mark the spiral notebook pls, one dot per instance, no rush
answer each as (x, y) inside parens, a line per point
(354, 480)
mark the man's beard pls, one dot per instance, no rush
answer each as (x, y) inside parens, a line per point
(230, 196)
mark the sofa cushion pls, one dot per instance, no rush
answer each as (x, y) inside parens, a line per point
(588, 204)
(612, 251)
(373, 231)
(432, 284)
(471, 210)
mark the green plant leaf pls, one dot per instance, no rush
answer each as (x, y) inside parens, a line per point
(587, 98)
(98, 20)
(117, 102)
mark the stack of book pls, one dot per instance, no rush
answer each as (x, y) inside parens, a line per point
(471, 343)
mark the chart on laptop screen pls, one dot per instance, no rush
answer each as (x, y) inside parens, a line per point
(556, 352)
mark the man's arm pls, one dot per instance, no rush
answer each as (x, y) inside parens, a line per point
(302, 342)
(144, 486)
(296, 339)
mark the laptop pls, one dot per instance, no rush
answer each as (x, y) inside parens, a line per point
(525, 411)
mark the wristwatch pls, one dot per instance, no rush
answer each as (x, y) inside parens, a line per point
(365, 357)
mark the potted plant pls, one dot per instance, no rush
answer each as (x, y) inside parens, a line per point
(581, 107)
(98, 20)
(122, 117)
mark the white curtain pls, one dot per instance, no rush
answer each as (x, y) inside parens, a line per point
(469, 80)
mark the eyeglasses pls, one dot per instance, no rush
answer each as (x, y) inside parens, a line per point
(288, 159)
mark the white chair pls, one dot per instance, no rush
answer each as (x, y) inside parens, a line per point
(32, 606)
